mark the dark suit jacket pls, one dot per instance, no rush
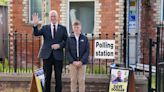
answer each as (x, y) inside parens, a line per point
(60, 38)
(83, 49)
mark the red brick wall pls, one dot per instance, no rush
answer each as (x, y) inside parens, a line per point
(19, 25)
(108, 18)
(25, 28)
(94, 83)
(55, 5)
(148, 28)
(108, 12)
(22, 28)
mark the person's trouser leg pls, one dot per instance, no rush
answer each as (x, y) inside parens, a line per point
(47, 67)
(58, 65)
(81, 78)
(73, 76)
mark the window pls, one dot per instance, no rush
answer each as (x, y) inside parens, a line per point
(83, 11)
(35, 6)
(162, 10)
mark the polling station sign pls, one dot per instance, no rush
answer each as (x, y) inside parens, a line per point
(104, 49)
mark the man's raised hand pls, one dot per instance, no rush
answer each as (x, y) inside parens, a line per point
(35, 19)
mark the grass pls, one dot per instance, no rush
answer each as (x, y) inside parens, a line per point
(12, 70)
(4, 67)
(153, 81)
(96, 69)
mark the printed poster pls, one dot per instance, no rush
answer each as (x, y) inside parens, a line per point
(119, 80)
(39, 74)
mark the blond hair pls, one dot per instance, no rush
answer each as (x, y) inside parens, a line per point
(76, 23)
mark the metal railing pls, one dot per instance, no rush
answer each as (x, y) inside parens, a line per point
(22, 51)
(158, 45)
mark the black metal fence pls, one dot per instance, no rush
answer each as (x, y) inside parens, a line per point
(158, 45)
(22, 51)
(160, 59)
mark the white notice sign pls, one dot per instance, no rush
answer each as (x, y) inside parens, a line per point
(104, 49)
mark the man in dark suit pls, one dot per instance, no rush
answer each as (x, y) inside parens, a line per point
(51, 52)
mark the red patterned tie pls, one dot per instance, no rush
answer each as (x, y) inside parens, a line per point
(54, 31)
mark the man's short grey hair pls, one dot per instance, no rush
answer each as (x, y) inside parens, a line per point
(53, 11)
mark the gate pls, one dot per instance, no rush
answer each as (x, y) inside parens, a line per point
(158, 45)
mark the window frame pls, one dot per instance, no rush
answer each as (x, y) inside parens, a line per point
(68, 13)
(29, 12)
(162, 10)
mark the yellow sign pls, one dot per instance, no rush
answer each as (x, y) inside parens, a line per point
(121, 80)
(37, 83)
(3, 2)
(118, 87)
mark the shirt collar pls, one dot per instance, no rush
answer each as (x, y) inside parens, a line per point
(55, 25)
(73, 35)
(76, 35)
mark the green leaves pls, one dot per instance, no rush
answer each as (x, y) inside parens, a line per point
(3, 2)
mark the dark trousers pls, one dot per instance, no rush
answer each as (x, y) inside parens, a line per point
(47, 66)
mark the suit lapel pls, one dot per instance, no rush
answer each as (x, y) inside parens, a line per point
(49, 30)
(58, 28)
(58, 31)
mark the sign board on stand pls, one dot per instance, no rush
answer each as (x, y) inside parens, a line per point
(121, 80)
(37, 83)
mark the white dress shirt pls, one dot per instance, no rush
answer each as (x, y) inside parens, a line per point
(77, 44)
